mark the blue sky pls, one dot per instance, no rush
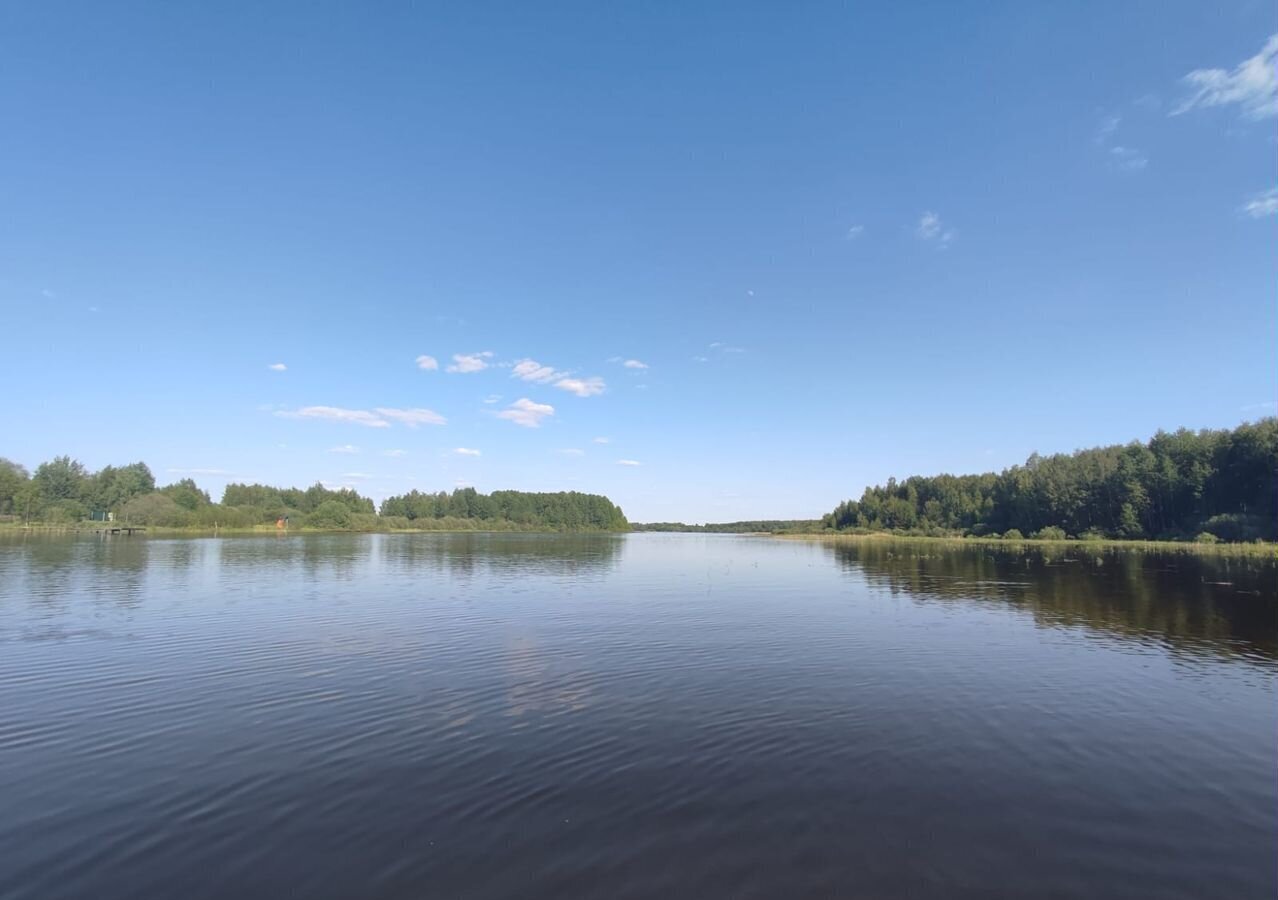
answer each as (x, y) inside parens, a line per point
(770, 253)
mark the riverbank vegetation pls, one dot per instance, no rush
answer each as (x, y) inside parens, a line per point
(1204, 486)
(62, 493)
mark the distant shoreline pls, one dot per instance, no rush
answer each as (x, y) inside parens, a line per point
(1223, 548)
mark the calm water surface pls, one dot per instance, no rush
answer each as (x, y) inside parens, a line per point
(631, 716)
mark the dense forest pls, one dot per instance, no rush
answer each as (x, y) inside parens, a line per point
(562, 511)
(63, 492)
(1184, 485)
(769, 526)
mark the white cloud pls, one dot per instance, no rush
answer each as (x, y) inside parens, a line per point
(395, 452)
(492, 398)
(1263, 204)
(381, 417)
(344, 448)
(358, 475)
(1120, 158)
(277, 367)
(531, 370)
(587, 387)
(854, 232)
(466, 451)
(412, 417)
(427, 363)
(635, 364)
(701, 359)
(1127, 159)
(470, 362)
(526, 413)
(337, 414)
(1253, 85)
(602, 440)
(572, 451)
(1264, 406)
(1106, 129)
(629, 462)
(931, 229)
(198, 472)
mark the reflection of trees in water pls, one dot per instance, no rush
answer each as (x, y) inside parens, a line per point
(510, 555)
(316, 557)
(53, 571)
(1174, 597)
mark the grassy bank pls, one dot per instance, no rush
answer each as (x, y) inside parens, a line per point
(456, 527)
(1240, 549)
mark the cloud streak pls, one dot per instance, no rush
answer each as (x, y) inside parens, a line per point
(531, 370)
(582, 387)
(427, 363)
(1252, 86)
(465, 363)
(931, 229)
(1263, 204)
(467, 451)
(629, 462)
(527, 413)
(277, 367)
(381, 417)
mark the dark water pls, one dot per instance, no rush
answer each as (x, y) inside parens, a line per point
(641, 716)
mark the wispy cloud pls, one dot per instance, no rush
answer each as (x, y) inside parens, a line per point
(1127, 159)
(526, 412)
(412, 417)
(427, 363)
(470, 362)
(381, 417)
(336, 414)
(492, 398)
(344, 448)
(854, 232)
(629, 462)
(47, 294)
(602, 440)
(701, 359)
(930, 228)
(531, 370)
(395, 452)
(1105, 130)
(635, 364)
(467, 451)
(277, 367)
(582, 387)
(1252, 85)
(219, 472)
(1263, 204)
(1119, 158)
(1264, 406)
(359, 476)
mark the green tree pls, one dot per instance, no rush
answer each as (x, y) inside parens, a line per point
(62, 478)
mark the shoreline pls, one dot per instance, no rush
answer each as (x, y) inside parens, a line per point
(1237, 548)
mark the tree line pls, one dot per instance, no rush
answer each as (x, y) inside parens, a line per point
(561, 511)
(63, 491)
(1209, 485)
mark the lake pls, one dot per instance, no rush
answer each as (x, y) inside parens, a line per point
(548, 716)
